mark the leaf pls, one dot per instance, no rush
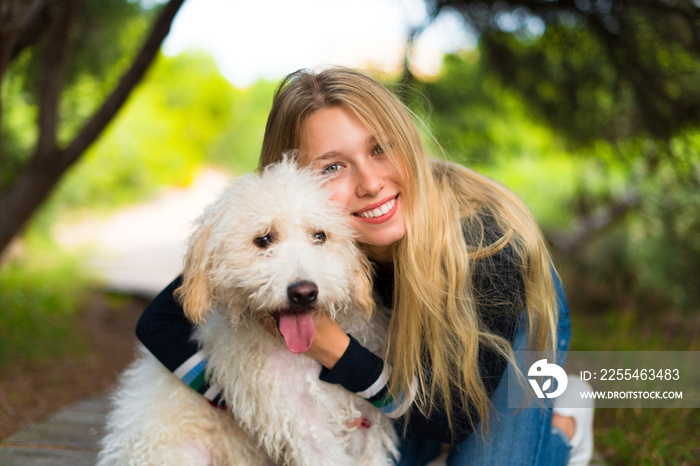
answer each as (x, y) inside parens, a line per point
(546, 385)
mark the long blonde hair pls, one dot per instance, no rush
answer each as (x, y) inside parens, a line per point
(435, 314)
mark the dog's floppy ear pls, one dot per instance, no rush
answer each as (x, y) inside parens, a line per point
(194, 292)
(362, 289)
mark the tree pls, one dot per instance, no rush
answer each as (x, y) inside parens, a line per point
(56, 41)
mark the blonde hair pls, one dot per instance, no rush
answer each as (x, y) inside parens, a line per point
(435, 311)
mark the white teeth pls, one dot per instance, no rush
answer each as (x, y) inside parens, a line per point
(379, 211)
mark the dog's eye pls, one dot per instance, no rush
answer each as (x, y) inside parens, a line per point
(264, 241)
(320, 237)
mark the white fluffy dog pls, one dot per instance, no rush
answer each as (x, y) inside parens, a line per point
(272, 247)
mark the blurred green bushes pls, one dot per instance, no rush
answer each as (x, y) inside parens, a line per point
(41, 293)
(645, 193)
(183, 117)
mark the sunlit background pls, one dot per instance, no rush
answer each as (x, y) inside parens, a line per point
(266, 40)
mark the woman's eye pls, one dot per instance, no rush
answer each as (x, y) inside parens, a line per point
(377, 150)
(331, 168)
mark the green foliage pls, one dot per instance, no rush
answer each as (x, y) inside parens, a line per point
(593, 70)
(565, 79)
(647, 258)
(41, 294)
(477, 120)
(183, 116)
(109, 32)
(167, 130)
(18, 133)
(485, 126)
(238, 146)
(665, 235)
(104, 41)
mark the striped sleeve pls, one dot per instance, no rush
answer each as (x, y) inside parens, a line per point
(167, 334)
(366, 374)
(193, 373)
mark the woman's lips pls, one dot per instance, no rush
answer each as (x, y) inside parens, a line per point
(380, 212)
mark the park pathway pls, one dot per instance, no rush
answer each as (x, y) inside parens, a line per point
(68, 438)
(138, 250)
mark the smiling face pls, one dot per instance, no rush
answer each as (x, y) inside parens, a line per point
(361, 177)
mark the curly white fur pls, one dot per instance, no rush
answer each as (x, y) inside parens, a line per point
(280, 412)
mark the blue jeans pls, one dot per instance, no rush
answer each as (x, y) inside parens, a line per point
(516, 436)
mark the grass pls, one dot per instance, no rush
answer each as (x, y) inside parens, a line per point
(648, 436)
(651, 436)
(41, 293)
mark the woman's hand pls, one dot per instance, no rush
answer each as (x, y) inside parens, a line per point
(329, 342)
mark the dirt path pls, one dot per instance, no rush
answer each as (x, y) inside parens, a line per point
(31, 392)
(139, 249)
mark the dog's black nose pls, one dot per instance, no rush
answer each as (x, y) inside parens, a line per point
(302, 293)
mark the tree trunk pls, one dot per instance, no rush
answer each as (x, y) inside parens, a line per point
(30, 190)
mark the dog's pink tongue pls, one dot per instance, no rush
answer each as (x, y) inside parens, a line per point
(298, 330)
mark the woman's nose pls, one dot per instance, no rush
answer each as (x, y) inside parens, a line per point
(369, 181)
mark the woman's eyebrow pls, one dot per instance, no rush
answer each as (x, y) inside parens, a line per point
(331, 154)
(326, 156)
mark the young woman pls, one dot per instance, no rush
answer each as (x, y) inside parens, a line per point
(459, 260)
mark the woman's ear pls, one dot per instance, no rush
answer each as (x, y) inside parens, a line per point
(194, 292)
(362, 289)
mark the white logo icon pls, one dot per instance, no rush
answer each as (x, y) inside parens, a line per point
(542, 368)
